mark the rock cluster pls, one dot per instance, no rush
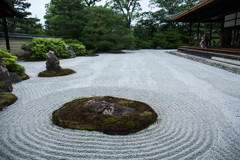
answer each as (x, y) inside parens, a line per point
(69, 48)
(52, 62)
(101, 106)
(5, 82)
(110, 115)
(15, 78)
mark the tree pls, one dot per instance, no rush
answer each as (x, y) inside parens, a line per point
(64, 18)
(91, 2)
(128, 8)
(169, 39)
(144, 30)
(105, 30)
(180, 31)
(171, 7)
(23, 25)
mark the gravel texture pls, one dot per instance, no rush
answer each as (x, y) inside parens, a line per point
(199, 108)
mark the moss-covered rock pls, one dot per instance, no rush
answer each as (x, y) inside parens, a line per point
(91, 55)
(62, 72)
(75, 115)
(25, 76)
(11, 62)
(6, 99)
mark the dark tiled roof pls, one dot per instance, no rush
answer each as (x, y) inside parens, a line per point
(24, 36)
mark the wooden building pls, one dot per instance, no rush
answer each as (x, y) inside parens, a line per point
(224, 12)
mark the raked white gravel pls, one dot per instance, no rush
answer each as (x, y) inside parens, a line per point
(198, 107)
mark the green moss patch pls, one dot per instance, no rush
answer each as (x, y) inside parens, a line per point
(6, 99)
(116, 52)
(62, 72)
(74, 115)
(91, 55)
(25, 76)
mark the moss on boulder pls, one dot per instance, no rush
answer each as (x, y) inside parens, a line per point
(25, 76)
(133, 117)
(6, 99)
(62, 72)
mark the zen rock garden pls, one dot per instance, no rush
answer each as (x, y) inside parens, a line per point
(107, 114)
(53, 67)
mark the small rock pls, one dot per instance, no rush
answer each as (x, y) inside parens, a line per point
(69, 48)
(132, 48)
(15, 78)
(5, 82)
(90, 53)
(52, 62)
(101, 106)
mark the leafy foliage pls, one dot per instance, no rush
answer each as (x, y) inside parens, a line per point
(155, 29)
(129, 8)
(170, 7)
(91, 2)
(64, 18)
(68, 41)
(105, 30)
(77, 46)
(40, 46)
(144, 30)
(10, 62)
(169, 39)
(79, 49)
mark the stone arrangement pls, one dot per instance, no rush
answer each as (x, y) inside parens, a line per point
(100, 105)
(69, 48)
(15, 78)
(52, 62)
(107, 114)
(53, 67)
(5, 81)
(6, 98)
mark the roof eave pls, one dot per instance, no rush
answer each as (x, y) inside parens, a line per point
(199, 5)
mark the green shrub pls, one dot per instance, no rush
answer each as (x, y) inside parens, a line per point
(69, 41)
(105, 30)
(143, 44)
(10, 62)
(40, 46)
(147, 44)
(168, 39)
(79, 49)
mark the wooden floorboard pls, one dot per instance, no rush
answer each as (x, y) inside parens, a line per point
(228, 52)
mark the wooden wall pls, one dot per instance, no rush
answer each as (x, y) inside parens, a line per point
(15, 45)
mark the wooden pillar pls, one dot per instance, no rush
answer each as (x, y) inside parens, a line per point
(234, 37)
(190, 34)
(6, 33)
(210, 36)
(221, 35)
(198, 24)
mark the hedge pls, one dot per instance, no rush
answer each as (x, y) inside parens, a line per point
(40, 46)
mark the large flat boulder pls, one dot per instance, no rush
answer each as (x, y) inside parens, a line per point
(110, 115)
